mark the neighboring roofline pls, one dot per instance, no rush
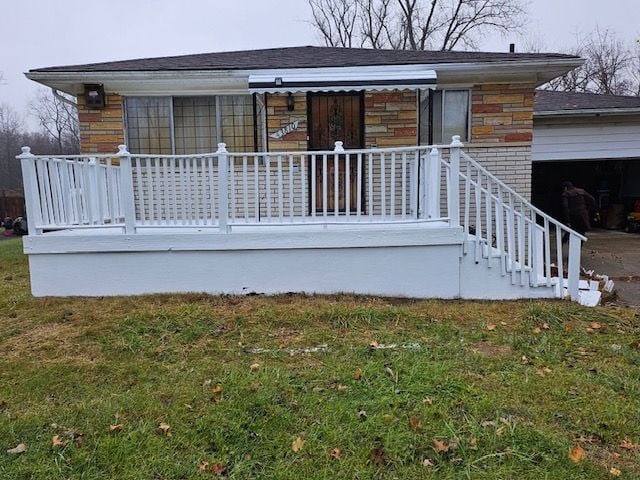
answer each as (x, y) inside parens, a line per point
(587, 112)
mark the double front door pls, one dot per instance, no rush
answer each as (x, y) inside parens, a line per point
(336, 117)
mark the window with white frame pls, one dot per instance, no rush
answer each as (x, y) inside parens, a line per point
(443, 114)
(183, 125)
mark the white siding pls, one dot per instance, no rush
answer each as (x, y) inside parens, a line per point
(585, 141)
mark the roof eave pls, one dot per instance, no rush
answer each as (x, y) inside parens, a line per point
(537, 72)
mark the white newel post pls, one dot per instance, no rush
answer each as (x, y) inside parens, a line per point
(126, 190)
(31, 195)
(223, 188)
(432, 184)
(339, 147)
(573, 268)
(454, 183)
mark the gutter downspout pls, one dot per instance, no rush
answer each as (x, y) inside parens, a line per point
(62, 98)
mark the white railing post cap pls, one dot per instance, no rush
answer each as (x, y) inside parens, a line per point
(455, 141)
(26, 152)
(339, 147)
(222, 148)
(122, 150)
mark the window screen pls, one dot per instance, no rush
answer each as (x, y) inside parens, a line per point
(194, 120)
(197, 126)
(149, 124)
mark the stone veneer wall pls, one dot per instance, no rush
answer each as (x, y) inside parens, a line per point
(390, 119)
(278, 116)
(502, 132)
(101, 130)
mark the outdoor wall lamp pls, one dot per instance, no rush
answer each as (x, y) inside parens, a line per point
(94, 96)
(290, 102)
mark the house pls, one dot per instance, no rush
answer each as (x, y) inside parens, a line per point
(593, 140)
(309, 169)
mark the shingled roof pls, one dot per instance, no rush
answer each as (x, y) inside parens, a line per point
(550, 101)
(300, 57)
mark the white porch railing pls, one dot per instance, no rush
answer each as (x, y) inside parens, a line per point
(227, 190)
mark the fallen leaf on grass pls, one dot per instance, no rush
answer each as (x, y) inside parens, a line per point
(427, 400)
(415, 423)
(357, 375)
(297, 444)
(116, 428)
(595, 325)
(218, 469)
(335, 454)
(427, 463)
(341, 388)
(203, 466)
(491, 327)
(163, 429)
(57, 441)
(439, 446)
(614, 472)
(537, 330)
(543, 372)
(378, 457)
(568, 327)
(577, 454)
(20, 448)
(627, 444)
(362, 415)
(254, 366)
(373, 345)
(545, 326)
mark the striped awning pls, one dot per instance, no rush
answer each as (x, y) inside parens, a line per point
(317, 80)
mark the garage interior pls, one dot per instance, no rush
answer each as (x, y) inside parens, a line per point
(615, 184)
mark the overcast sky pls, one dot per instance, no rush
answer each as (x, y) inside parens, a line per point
(41, 33)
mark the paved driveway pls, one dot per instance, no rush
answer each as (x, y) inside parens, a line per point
(616, 254)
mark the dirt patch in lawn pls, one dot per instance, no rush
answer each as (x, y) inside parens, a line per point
(61, 342)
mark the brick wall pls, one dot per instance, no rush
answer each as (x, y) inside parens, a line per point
(279, 116)
(101, 131)
(390, 119)
(502, 113)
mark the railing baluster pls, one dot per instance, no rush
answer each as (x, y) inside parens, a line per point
(392, 184)
(313, 186)
(174, 190)
(336, 186)
(467, 206)
(478, 207)
(347, 194)
(404, 185)
(324, 186)
(511, 238)
(489, 220)
(499, 208)
(267, 162)
(223, 187)
(233, 213)
(303, 180)
(291, 192)
(559, 261)
(256, 188)
(383, 186)
(359, 186)
(280, 190)
(547, 253)
(369, 205)
(521, 243)
(245, 189)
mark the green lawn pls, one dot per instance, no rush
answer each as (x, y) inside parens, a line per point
(478, 390)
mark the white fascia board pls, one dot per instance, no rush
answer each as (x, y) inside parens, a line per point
(186, 82)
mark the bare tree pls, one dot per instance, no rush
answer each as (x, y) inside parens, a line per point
(11, 136)
(413, 24)
(611, 67)
(58, 119)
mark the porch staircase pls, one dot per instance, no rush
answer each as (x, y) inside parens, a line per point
(509, 245)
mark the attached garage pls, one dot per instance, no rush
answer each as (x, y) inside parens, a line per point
(593, 141)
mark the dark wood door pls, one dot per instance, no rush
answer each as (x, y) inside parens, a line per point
(336, 117)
